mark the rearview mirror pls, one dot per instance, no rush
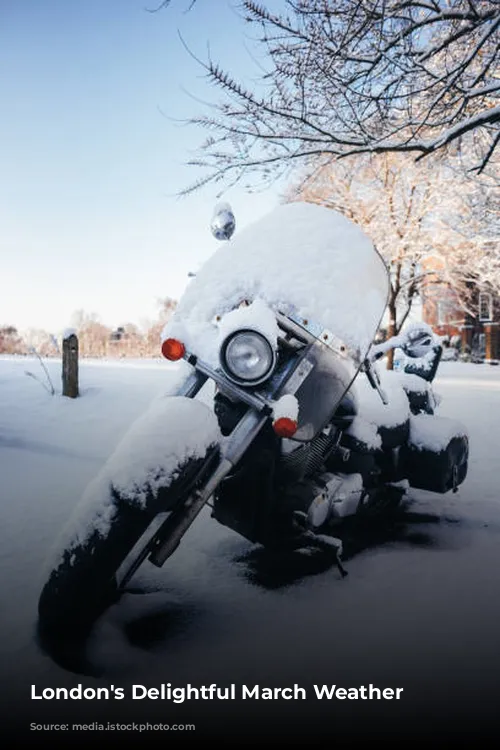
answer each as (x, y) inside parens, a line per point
(223, 222)
(418, 340)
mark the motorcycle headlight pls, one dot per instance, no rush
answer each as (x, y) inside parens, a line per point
(247, 357)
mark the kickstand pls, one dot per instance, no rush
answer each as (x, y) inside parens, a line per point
(333, 544)
(343, 572)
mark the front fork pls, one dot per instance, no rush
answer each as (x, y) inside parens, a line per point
(192, 385)
(168, 537)
(170, 533)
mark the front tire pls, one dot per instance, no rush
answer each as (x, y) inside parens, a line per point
(82, 582)
(83, 585)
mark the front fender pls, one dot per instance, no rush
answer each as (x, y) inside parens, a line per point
(145, 463)
(172, 431)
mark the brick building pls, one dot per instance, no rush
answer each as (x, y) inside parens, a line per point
(479, 332)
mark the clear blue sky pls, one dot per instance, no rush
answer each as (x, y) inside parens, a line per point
(90, 165)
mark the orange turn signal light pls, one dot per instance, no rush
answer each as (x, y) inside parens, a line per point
(173, 349)
(285, 427)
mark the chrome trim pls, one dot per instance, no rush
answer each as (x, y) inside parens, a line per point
(317, 331)
(295, 327)
(311, 326)
(255, 401)
(242, 437)
(299, 375)
(227, 370)
(193, 384)
(231, 451)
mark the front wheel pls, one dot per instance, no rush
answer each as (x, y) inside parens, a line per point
(118, 508)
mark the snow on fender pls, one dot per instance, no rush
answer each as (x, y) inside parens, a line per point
(429, 432)
(173, 430)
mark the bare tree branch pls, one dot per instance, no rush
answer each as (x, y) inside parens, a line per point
(346, 77)
(166, 3)
(435, 226)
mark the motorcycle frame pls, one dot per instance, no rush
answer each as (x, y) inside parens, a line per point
(232, 448)
(166, 539)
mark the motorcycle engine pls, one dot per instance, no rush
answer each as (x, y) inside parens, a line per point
(307, 459)
(327, 497)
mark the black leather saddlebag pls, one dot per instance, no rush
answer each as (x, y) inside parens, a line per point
(436, 457)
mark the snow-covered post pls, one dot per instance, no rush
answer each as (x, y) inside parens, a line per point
(70, 364)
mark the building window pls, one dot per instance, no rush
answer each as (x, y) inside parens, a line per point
(485, 307)
(479, 345)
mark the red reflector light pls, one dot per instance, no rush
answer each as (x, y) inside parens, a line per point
(285, 427)
(173, 349)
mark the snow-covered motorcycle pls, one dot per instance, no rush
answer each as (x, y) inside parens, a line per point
(279, 418)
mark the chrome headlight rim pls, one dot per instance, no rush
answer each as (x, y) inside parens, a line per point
(230, 374)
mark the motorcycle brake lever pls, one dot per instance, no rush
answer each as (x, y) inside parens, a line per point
(374, 380)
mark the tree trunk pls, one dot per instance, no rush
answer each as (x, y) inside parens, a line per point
(70, 366)
(391, 331)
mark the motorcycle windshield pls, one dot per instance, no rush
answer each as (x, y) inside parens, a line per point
(302, 260)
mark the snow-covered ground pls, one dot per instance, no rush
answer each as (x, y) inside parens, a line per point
(419, 608)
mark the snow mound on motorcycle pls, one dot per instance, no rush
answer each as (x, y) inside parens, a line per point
(396, 412)
(365, 432)
(429, 432)
(373, 414)
(257, 316)
(302, 258)
(146, 461)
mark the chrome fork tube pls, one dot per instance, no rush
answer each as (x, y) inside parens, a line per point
(176, 525)
(192, 385)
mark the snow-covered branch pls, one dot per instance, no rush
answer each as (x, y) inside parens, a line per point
(435, 225)
(343, 78)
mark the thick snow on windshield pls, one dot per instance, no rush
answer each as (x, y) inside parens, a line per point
(300, 257)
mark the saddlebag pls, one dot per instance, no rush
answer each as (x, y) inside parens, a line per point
(436, 455)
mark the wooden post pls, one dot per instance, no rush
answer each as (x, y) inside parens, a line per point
(70, 366)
